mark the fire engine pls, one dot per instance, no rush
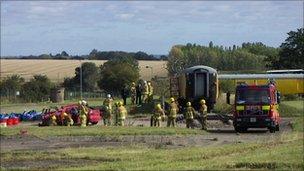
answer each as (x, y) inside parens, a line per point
(256, 106)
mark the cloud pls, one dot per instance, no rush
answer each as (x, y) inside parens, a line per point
(125, 16)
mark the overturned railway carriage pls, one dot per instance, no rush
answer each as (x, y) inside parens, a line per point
(193, 84)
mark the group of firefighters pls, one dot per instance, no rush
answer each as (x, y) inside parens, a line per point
(190, 114)
(117, 111)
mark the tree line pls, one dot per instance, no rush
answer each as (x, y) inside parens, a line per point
(111, 77)
(248, 57)
(95, 55)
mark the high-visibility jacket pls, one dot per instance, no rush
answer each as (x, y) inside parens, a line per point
(189, 112)
(203, 110)
(150, 90)
(158, 114)
(83, 110)
(122, 112)
(173, 110)
(133, 91)
(108, 102)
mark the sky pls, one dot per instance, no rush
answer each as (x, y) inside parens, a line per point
(37, 27)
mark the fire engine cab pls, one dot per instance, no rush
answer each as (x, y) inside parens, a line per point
(256, 106)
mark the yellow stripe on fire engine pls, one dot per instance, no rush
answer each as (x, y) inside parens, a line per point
(266, 107)
(240, 107)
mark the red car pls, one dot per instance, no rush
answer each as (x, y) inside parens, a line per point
(94, 115)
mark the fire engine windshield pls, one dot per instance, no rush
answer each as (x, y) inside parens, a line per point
(249, 96)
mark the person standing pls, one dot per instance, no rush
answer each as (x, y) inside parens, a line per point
(83, 113)
(203, 113)
(189, 115)
(150, 92)
(122, 114)
(138, 93)
(173, 109)
(133, 93)
(107, 103)
(124, 94)
(157, 116)
(145, 92)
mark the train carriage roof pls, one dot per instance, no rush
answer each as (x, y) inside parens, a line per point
(198, 67)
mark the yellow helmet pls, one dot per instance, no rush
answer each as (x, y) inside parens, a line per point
(133, 83)
(202, 101)
(158, 106)
(172, 99)
(188, 104)
(149, 83)
(79, 102)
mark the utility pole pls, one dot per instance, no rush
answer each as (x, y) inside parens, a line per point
(80, 80)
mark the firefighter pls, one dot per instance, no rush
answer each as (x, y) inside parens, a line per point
(173, 109)
(189, 115)
(150, 92)
(158, 114)
(203, 114)
(122, 114)
(108, 110)
(68, 121)
(53, 119)
(115, 112)
(133, 93)
(145, 92)
(83, 113)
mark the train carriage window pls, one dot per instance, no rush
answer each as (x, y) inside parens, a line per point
(200, 84)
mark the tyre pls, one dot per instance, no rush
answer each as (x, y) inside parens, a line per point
(94, 123)
(277, 127)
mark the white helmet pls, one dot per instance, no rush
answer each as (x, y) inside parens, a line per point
(109, 95)
(84, 102)
(145, 82)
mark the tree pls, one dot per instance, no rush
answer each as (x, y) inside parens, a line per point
(210, 44)
(64, 54)
(90, 76)
(291, 54)
(11, 85)
(117, 73)
(37, 89)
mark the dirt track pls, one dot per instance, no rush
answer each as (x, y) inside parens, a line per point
(215, 137)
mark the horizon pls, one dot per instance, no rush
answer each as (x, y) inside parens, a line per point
(77, 27)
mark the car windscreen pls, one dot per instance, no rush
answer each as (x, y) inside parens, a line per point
(252, 96)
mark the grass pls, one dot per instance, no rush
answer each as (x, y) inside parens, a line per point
(291, 108)
(284, 154)
(97, 131)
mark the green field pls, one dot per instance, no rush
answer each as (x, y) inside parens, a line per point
(285, 152)
(97, 131)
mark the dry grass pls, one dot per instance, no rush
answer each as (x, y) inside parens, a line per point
(57, 70)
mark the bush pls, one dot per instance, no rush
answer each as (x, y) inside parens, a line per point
(37, 89)
(227, 86)
(117, 73)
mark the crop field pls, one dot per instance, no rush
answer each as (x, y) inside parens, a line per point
(57, 70)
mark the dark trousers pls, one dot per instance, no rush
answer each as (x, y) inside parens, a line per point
(138, 99)
(124, 100)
